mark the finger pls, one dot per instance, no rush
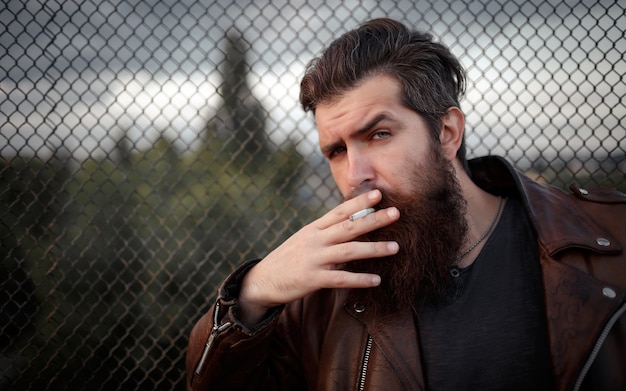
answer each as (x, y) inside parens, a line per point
(340, 254)
(346, 279)
(352, 251)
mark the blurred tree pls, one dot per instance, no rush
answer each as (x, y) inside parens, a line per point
(148, 237)
(238, 126)
(241, 200)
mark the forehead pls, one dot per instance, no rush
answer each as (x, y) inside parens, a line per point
(375, 95)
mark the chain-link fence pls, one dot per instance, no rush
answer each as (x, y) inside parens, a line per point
(147, 147)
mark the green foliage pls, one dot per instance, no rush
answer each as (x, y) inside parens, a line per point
(32, 199)
(117, 260)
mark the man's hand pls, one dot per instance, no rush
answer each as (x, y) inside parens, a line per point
(307, 261)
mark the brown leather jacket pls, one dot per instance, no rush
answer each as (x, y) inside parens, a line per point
(323, 342)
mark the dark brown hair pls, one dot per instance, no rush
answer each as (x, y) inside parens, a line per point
(432, 78)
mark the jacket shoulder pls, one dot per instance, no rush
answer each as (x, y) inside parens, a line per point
(583, 220)
(603, 196)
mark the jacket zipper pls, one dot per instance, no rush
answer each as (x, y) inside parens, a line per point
(215, 331)
(597, 346)
(365, 362)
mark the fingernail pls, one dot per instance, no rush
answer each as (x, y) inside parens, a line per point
(392, 212)
(376, 280)
(372, 195)
(393, 246)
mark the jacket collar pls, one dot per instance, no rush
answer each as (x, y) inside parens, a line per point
(569, 226)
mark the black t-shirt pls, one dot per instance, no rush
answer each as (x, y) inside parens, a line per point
(491, 334)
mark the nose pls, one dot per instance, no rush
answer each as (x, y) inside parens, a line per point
(360, 172)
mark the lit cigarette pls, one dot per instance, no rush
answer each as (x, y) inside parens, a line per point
(362, 213)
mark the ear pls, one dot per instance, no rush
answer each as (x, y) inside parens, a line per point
(451, 135)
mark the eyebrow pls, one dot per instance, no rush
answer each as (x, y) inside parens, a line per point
(364, 129)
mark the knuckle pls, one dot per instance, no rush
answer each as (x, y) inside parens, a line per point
(341, 210)
(348, 225)
(341, 279)
(345, 251)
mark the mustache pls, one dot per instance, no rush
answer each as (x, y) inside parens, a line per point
(364, 188)
(357, 191)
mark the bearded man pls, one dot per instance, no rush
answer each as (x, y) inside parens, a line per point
(435, 272)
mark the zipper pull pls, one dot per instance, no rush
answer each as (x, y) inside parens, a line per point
(215, 331)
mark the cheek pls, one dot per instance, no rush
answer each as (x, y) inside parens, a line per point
(393, 169)
(399, 177)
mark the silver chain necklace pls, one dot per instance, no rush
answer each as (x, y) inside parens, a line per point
(479, 241)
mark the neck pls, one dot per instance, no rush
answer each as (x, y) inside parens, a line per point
(482, 213)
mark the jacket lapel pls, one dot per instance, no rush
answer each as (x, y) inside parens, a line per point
(577, 304)
(397, 339)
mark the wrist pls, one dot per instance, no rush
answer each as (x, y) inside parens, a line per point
(250, 311)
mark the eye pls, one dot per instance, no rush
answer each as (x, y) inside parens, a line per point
(335, 152)
(380, 134)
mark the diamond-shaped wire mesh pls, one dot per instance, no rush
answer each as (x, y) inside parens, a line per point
(148, 147)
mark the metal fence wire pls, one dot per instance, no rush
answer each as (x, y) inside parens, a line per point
(148, 147)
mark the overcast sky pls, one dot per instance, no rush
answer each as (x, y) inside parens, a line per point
(543, 74)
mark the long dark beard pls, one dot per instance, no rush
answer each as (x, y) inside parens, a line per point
(430, 232)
